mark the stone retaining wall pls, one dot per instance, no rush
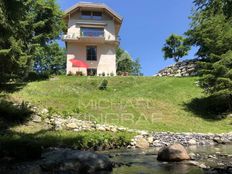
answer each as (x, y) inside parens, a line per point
(181, 69)
(144, 139)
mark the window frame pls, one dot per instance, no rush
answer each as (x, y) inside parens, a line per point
(101, 31)
(91, 16)
(86, 16)
(91, 56)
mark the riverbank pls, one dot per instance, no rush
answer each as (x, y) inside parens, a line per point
(159, 139)
(205, 160)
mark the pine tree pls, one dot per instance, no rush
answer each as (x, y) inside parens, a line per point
(211, 31)
(24, 26)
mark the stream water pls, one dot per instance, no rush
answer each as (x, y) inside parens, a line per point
(144, 162)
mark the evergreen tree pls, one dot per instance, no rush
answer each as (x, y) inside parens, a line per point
(211, 31)
(25, 26)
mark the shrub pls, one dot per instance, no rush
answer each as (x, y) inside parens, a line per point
(79, 73)
(70, 73)
(119, 73)
(30, 146)
(103, 74)
(33, 76)
(112, 74)
(103, 85)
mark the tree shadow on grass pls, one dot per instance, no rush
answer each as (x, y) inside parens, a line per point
(210, 108)
(12, 114)
(10, 88)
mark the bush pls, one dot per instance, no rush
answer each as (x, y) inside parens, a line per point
(119, 73)
(112, 74)
(103, 85)
(69, 73)
(79, 73)
(33, 76)
(30, 146)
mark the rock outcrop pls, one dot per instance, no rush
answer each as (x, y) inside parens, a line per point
(181, 69)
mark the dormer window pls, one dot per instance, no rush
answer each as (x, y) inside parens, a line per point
(95, 15)
(86, 14)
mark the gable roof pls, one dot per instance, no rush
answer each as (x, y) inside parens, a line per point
(94, 6)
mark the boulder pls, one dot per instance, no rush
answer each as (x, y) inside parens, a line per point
(142, 143)
(192, 142)
(150, 140)
(36, 119)
(74, 161)
(175, 152)
(71, 125)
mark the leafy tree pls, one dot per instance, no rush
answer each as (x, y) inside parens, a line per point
(50, 59)
(136, 67)
(25, 26)
(175, 47)
(126, 64)
(211, 32)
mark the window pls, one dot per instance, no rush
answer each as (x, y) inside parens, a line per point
(92, 32)
(96, 15)
(86, 14)
(91, 53)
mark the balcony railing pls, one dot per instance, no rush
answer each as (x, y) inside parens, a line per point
(90, 36)
(70, 37)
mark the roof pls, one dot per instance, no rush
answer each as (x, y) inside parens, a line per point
(93, 5)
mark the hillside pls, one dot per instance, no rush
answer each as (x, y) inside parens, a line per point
(151, 103)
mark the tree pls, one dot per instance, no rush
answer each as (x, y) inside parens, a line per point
(50, 59)
(126, 64)
(175, 47)
(211, 32)
(25, 26)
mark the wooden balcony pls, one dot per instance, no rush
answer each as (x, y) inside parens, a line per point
(88, 38)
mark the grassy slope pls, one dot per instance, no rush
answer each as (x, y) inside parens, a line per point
(149, 103)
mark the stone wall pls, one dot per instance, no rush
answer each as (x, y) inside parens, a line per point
(181, 69)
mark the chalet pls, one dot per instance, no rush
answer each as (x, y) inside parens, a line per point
(91, 39)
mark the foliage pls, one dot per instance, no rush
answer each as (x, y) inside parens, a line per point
(30, 146)
(126, 64)
(50, 59)
(33, 76)
(25, 26)
(103, 85)
(175, 47)
(211, 32)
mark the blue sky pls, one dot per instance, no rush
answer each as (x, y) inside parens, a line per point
(146, 25)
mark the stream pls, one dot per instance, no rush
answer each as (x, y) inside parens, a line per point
(136, 161)
(144, 162)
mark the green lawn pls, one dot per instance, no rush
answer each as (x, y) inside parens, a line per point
(150, 103)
